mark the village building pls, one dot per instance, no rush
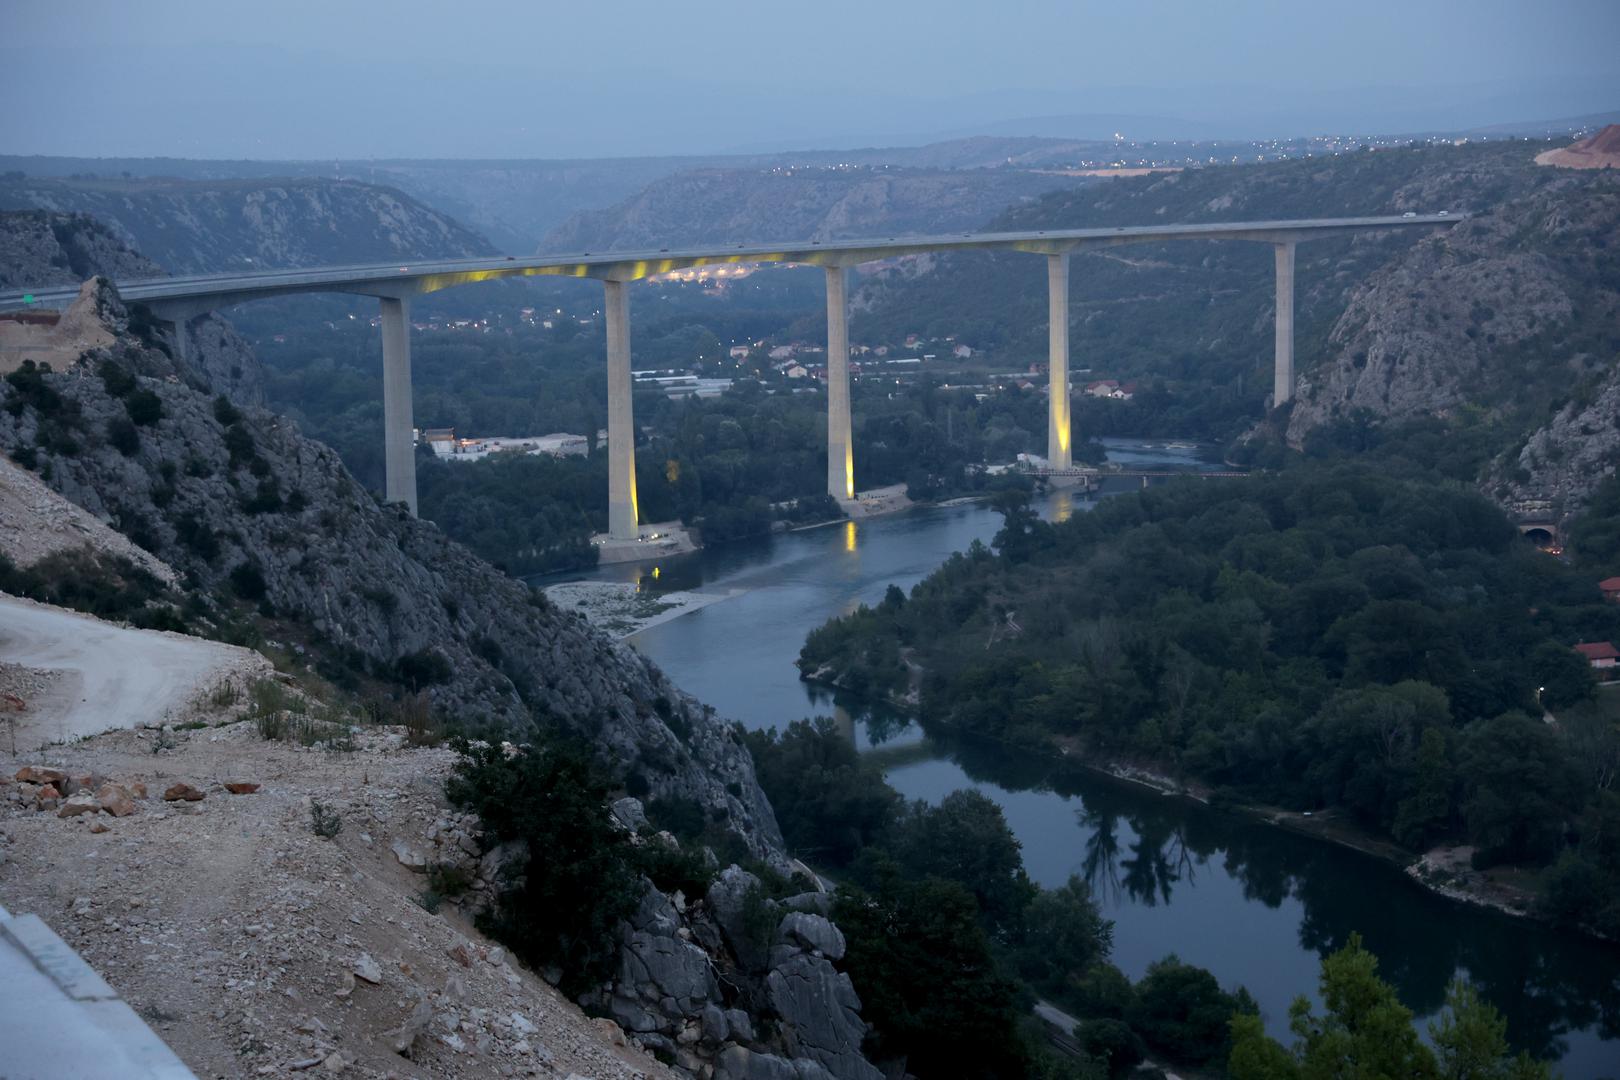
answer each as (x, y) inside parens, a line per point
(1610, 588)
(1602, 655)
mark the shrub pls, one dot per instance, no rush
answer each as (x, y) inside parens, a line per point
(422, 668)
(248, 581)
(324, 821)
(123, 437)
(683, 817)
(575, 880)
(144, 407)
(1111, 1042)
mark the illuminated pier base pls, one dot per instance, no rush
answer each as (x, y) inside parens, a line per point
(622, 519)
(399, 444)
(840, 444)
(1058, 453)
(1283, 385)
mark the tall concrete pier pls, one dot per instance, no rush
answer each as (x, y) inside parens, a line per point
(1283, 382)
(1058, 452)
(840, 441)
(399, 444)
(623, 521)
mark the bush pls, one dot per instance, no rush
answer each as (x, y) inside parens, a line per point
(682, 817)
(562, 900)
(324, 821)
(422, 668)
(1182, 1010)
(144, 407)
(123, 437)
(248, 581)
(1113, 1043)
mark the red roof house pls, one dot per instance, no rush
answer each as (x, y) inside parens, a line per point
(1610, 588)
(1600, 654)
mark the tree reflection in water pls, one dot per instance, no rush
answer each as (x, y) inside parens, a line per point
(1139, 848)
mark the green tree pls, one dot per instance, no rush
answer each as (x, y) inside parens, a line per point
(1470, 1040)
(1064, 935)
(928, 982)
(1182, 1010)
(1425, 813)
(829, 801)
(1563, 675)
(1519, 789)
(573, 879)
(966, 839)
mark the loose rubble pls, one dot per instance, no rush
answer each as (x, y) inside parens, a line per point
(255, 948)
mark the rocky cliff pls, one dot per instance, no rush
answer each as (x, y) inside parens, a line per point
(1512, 316)
(209, 226)
(800, 203)
(40, 248)
(267, 526)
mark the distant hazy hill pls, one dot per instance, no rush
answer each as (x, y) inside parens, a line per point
(800, 203)
(203, 226)
(517, 202)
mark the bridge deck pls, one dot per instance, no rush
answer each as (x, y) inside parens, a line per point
(410, 277)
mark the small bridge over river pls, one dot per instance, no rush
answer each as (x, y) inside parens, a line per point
(178, 301)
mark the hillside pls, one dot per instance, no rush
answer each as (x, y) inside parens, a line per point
(1508, 320)
(1374, 331)
(515, 203)
(274, 539)
(210, 226)
(1598, 151)
(251, 945)
(799, 203)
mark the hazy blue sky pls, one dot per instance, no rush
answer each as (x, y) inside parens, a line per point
(533, 78)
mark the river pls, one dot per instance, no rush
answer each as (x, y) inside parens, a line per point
(1254, 904)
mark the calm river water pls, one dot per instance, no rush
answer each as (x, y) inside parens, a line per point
(1255, 905)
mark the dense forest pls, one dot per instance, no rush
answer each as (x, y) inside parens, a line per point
(1364, 635)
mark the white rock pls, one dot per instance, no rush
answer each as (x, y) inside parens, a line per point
(368, 969)
(409, 857)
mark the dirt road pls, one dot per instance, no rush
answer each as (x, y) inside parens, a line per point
(103, 676)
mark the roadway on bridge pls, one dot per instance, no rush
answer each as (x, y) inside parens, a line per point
(431, 275)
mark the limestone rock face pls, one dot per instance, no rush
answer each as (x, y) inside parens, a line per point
(681, 989)
(725, 901)
(1564, 461)
(821, 1015)
(812, 932)
(1508, 317)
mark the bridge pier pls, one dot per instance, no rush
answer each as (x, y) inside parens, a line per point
(399, 444)
(1059, 454)
(623, 521)
(840, 441)
(1283, 382)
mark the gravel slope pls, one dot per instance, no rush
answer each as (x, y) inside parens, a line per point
(102, 676)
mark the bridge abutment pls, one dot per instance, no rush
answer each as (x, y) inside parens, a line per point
(1283, 381)
(399, 442)
(1059, 454)
(623, 522)
(840, 441)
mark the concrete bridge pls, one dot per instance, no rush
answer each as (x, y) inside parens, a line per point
(179, 300)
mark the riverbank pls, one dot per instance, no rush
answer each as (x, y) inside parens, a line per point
(1445, 871)
(621, 609)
